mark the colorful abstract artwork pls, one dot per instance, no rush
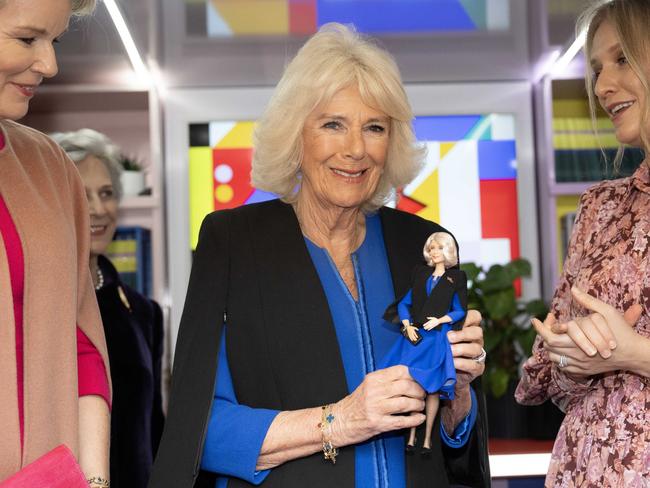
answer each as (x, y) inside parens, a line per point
(468, 183)
(228, 18)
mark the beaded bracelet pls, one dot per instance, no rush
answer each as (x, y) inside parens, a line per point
(329, 451)
(97, 482)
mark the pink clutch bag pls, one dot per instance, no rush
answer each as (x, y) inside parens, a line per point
(56, 469)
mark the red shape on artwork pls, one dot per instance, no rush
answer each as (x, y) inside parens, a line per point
(499, 214)
(302, 17)
(239, 161)
(407, 204)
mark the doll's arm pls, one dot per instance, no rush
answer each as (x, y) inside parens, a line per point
(457, 313)
(404, 308)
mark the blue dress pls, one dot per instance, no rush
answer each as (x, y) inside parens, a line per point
(431, 362)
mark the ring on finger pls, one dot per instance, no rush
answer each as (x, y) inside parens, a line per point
(481, 357)
(563, 362)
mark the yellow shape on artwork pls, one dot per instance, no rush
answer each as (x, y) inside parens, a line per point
(445, 147)
(240, 136)
(254, 16)
(201, 184)
(428, 194)
(224, 193)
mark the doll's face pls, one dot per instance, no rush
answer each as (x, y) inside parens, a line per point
(436, 252)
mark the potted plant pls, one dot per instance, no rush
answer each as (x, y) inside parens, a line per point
(509, 337)
(132, 177)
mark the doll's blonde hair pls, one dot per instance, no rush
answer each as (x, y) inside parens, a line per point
(448, 248)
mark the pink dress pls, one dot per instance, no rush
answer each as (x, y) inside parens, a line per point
(604, 440)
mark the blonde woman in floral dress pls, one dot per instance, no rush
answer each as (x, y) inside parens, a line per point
(592, 355)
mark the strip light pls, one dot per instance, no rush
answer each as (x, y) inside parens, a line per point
(563, 61)
(141, 70)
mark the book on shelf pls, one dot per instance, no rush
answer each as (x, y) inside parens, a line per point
(130, 253)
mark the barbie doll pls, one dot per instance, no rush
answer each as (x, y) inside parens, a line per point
(436, 301)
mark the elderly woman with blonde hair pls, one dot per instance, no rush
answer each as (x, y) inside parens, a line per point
(275, 376)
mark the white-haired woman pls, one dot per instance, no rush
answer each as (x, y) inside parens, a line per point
(54, 386)
(300, 286)
(132, 322)
(436, 300)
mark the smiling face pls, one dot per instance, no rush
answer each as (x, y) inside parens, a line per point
(28, 29)
(345, 143)
(436, 252)
(102, 203)
(618, 88)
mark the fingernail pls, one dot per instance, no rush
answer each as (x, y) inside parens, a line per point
(451, 336)
(606, 354)
(612, 345)
(591, 352)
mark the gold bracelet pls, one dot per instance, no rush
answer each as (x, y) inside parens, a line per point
(329, 451)
(97, 482)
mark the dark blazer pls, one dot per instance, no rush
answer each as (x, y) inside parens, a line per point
(433, 305)
(134, 335)
(253, 270)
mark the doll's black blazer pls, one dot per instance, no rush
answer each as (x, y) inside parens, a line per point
(252, 270)
(436, 304)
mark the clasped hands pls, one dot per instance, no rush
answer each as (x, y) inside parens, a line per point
(597, 343)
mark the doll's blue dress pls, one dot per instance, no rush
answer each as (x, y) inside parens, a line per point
(431, 362)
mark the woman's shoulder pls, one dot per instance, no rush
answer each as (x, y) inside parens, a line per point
(457, 275)
(264, 209)
(32, 147)
(22, 136)
(607, 189)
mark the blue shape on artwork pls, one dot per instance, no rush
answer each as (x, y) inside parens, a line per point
(397, 16)
(497, 160)
(447, 128)
(260, 196)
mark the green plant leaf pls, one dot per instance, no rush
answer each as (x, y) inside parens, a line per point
(491, 338)
(526, 339)
(130, 163)
(501, 304)
(537, 308)
(497, 278)
(498, 380)
(518, 268)
(471, 270)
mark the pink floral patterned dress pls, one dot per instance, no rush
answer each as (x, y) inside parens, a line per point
(604, 440)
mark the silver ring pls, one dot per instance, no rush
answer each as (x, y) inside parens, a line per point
(481, 357)
(563, 362)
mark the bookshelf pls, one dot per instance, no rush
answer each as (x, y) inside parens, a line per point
(571, 159)
(129, 116)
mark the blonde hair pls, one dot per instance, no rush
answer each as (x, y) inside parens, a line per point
(334, 58)
(630, 19)
(83, 7)
(448, 249)
(79, 8)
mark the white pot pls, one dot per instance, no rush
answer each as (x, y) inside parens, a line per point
(132, 182)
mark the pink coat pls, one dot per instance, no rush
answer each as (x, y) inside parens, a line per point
(47, 202)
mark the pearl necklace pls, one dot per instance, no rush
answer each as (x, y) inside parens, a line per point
(100, 280)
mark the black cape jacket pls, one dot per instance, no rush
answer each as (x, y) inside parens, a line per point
(252, 270)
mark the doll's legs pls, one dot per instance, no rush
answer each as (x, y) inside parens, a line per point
(410, 445)
(430, 410)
